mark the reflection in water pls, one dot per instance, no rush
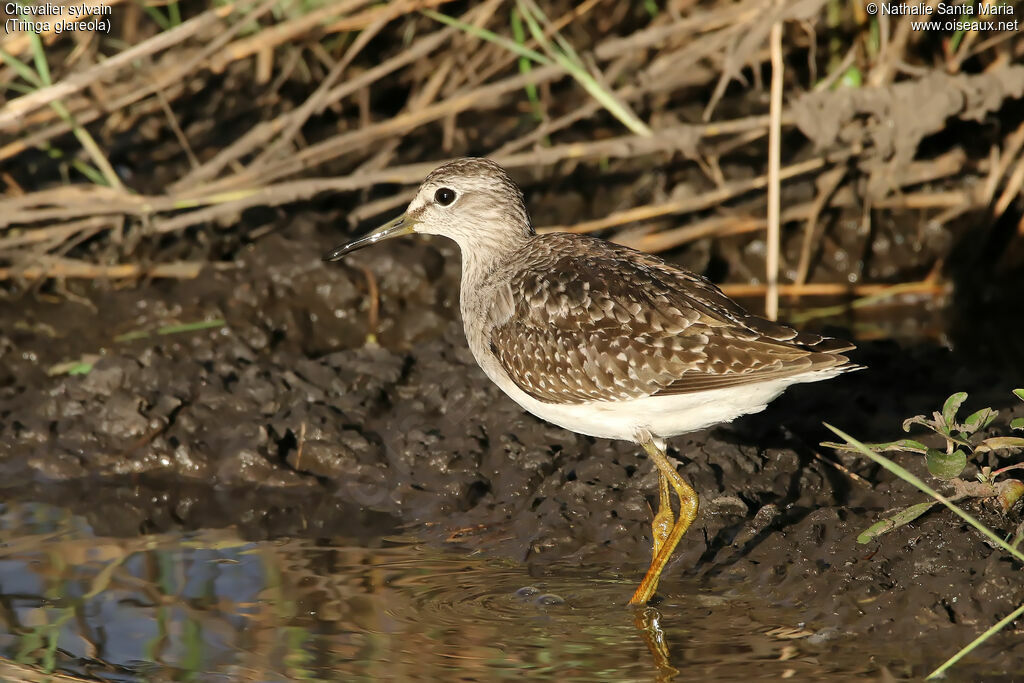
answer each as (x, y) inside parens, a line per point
(210, 605)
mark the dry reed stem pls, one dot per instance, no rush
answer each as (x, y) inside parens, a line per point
(675, 51)
(54, 232)
(483, 97)
(286, 31)
(715, 226)
(68, 268)
(698, 203)
(18, 108)
(771, 304)
(19, 42)
(168, 80)
(1012, 189)
(826, 184)
(85, 200)
(79, 201)
(892, 56)
(1011, 148)
(263, 132)
(925, 287)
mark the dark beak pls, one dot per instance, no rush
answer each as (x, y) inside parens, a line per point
(403, 225)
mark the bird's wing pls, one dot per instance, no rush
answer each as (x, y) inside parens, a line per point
(593, 321)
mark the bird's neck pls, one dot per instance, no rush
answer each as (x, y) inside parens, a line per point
(482, 257)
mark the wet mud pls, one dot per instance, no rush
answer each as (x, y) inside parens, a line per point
(287, 421)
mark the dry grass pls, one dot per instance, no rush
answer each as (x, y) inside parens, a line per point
(263, 104)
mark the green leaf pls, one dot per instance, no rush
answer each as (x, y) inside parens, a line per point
(952, 405)
(21, 68)
(908, 445)
(1019, 393)
(979, 419)
(80, 369)
(39, 56)
(489, 36)
(904, 516)
(998, 442)
(1010, 491)
(920, 420)
(1017, 423)
(851, 78)
(81, 366)
(945, 465)
(565, 56)
(959, 441)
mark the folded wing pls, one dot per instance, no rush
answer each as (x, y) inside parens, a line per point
(593, 321)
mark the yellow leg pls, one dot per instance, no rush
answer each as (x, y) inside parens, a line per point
(663, 547)
(664, 520)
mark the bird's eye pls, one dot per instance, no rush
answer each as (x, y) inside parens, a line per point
(444, 196)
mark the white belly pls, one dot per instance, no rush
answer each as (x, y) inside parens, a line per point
(662, 416)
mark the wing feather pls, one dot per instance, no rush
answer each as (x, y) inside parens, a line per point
(593, 321)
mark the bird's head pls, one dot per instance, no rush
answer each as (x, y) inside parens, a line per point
(471, 201)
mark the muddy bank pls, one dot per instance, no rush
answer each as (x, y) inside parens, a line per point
(284, 422)
(282, 419)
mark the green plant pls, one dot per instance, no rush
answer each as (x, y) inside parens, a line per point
(962, 442)
(1010, 549)
(38, 76)
(558, 52)
(165, 22)
(525, 65)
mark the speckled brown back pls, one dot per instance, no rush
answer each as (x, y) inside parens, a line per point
(594, 321)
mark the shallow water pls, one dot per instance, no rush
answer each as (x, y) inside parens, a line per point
(213, 606)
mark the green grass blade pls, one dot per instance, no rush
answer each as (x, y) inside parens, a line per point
(576, 70)
(967, 517)
(489, 36)
(910, 478)
(157, 16)
(863, 302)
(609, 102)
(525, 65)
(532, 10)
(192, 327)
(171, 329)
(535, 29)
(39, 56)
(19, 88)
(90, 172)
(999, 625)
(90, 146)
(894, 521)
(954, 42)
(21, 68)
(174, 14)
